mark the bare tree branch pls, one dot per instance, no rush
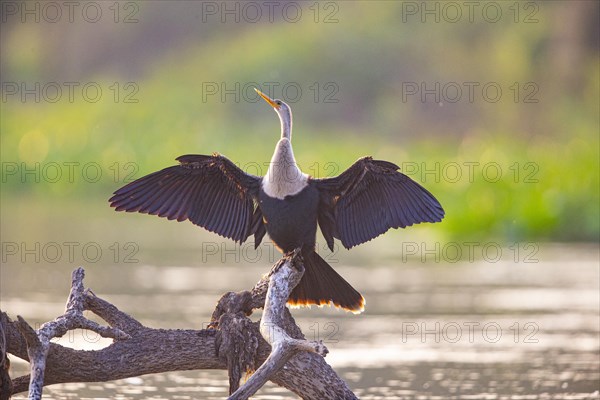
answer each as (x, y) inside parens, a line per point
(233, 342)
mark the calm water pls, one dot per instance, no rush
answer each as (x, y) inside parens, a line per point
(525, 326)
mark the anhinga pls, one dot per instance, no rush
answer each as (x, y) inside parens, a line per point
(363, 202)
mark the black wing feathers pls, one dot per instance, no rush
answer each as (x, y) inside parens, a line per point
(258, 227)
(210, 191)
(369, 198)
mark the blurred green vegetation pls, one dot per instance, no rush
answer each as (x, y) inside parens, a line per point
(527, 171)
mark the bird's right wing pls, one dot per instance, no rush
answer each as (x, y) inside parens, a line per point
(210, 191)
(369, 198)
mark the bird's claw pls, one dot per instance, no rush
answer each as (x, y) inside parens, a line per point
(294, 253)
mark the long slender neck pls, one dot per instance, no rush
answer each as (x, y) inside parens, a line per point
(286, 125)
(284, 178)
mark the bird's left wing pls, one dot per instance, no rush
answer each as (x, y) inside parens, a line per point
(368, 199)
(210, 191)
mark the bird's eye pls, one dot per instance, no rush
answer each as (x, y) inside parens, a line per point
(278, 102)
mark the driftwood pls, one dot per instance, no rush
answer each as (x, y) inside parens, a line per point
(232, 342)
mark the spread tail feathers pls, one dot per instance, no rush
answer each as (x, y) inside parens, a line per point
(321, 285)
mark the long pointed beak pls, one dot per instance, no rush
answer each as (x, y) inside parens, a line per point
(267, 99)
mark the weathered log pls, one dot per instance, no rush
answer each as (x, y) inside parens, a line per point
(138, 350)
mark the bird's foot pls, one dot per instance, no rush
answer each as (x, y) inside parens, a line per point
(296, 259)
(290, 256)
(294, 253)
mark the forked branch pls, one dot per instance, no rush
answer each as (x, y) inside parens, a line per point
(276, 317)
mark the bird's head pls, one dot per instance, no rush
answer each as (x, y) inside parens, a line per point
(283, 110)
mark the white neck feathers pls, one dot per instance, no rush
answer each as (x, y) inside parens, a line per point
(283, 178)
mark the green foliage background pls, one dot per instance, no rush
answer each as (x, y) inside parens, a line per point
(548, 151)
